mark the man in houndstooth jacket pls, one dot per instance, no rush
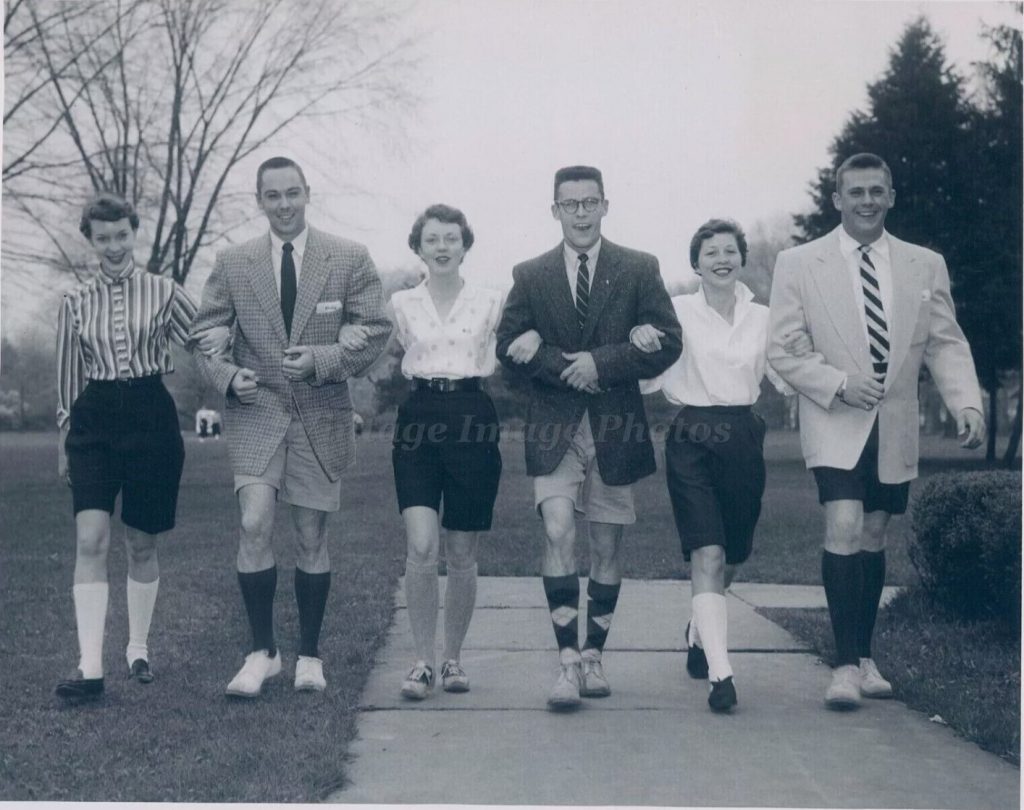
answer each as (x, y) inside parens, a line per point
(288, 418)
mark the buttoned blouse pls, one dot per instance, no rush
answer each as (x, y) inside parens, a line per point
(879, 253)
(117, 329)
(462, 345)
(722, 363)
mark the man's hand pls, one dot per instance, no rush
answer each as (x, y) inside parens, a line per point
(798, 343)
(646, 338)
(298, 363)
(62, 455)
(215, 340)
(863, 391)
(243, 386)
(524, 347)
(581, 373)
(970, 427)
(353, 337)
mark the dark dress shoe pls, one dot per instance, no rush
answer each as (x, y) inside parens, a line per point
(696, 661)
(723, 695)
(78, 687)
(139, 670)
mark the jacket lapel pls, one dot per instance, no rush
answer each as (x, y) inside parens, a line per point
(600, 286)
(312, 278)
(261, 279)
(832, 277)
(906, 301)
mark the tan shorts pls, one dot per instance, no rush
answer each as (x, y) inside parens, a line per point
(295, 472)
(577, 478)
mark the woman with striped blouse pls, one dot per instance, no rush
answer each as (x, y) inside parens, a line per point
(119, 431)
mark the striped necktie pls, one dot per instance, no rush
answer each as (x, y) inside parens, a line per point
(582, 290)
(878, 331)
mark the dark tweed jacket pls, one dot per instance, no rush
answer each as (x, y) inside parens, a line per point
(626, 291)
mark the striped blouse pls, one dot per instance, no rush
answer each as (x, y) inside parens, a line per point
(117, 329)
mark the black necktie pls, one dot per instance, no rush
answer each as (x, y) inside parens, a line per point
(288, 286)
(582, 290)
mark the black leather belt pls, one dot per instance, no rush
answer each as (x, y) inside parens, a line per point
(444, 385)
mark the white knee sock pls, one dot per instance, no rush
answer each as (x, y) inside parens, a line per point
(141, 600)
(459, 601)
(710, 614)
(421, 597)
(694, 638)
(91, 617)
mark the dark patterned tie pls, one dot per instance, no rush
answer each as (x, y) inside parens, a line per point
(288, 286)
(878, 331)
(582, 290)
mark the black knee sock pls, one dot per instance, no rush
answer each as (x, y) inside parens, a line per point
(258, 590)
(311, 596)
(563, 595)
(600, 609)
(872, 564)
(841, 576)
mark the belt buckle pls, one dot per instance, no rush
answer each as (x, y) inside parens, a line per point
(439, 384)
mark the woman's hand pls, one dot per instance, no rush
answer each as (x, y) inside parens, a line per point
(524, 347)
(354, 337)
(215, 340)
(797, 344)
(646, 338)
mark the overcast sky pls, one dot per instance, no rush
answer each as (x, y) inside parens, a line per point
(691, 109)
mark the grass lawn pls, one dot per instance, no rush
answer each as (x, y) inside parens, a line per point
(179, 738)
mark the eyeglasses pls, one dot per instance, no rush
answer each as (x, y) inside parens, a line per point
(572, 206)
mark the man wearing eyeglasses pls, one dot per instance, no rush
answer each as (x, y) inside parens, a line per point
(566, 323)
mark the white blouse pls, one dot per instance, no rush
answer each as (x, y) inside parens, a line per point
(463, 345)
(722, 363)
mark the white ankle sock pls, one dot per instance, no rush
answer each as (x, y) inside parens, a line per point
(459, 601)
(710, 613)
(141, 601)
(421, 598)
(694, 638)
(91, 618)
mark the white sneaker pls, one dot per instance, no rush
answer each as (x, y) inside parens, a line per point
(309, 674)
(257, 668)
(844, 691)
(595, 684)
(566, 694)
(418, 682)
(872, 684)
(454, 677)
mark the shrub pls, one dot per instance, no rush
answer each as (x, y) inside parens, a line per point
(967, 543)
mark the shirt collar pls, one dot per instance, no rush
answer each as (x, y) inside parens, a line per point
(572, 256)
(743, 294)
(298, 243)
(126, 274)
(848, 245)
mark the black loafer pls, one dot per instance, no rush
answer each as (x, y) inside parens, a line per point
(723, 695)
(696, 661)
(139, 671)
(77, 687)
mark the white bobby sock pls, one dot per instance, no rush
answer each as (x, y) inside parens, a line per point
(694, 638)
(91, 618)
(141, 601)
(421, 598)
(459, 601)
(710, 613)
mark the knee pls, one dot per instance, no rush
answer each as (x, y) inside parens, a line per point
(256, 528)
(93, 543)
(460, 553)
(422, 550)
(142, 548)
(560, 529)
(709, 561)
(843, 531)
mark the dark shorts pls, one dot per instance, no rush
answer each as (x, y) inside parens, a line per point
(125, 438)
(861, 483)
(714, 466)
(446, 449)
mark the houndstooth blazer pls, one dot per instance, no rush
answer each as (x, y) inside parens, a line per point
(338, 285)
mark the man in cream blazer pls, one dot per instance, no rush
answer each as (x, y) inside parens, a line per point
(875, 309)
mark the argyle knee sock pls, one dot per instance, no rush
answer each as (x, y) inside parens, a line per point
(873, 573)
(710, 614)
(600, 610)
(842, 578)
(258, 589)
(91, 618)
(421, 598)
(141, 602)
(311, 598)
(459, 601)
(563, 595)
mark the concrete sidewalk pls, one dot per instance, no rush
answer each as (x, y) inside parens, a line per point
(654, 741)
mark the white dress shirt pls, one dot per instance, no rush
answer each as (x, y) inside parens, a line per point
(722, 363)
(572, 263)
(879, 253)
(462, 345)
(298, 251)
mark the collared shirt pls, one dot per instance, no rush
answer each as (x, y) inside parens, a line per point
(117, 329)
(879, 253)
(572, 263)
(722, 363)
(462, 345)
(298, 251)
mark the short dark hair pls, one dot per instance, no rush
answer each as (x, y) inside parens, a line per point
(278, 163)
(862, 160)
(107, 207)
(716, 226)
(442, 213)
(568, 173)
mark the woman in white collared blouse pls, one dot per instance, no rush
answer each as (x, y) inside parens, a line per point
(445, 454)
(714, 459)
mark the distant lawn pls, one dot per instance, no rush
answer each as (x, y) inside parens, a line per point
(179, 739)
